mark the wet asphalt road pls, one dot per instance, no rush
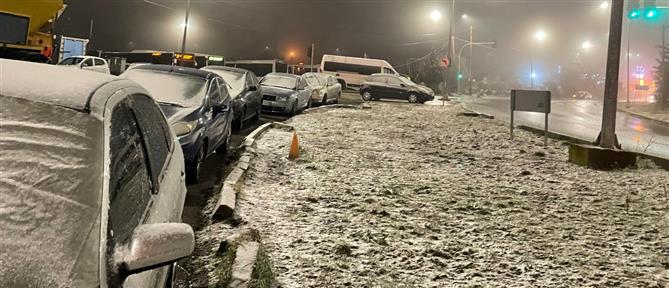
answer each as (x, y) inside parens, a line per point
(582, 119)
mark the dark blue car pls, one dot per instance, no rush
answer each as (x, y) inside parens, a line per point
(196, 104)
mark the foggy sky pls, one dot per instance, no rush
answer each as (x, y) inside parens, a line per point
(381, 29)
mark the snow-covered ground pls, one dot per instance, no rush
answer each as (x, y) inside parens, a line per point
(416, 196)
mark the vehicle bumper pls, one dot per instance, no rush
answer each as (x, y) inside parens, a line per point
(189, 145)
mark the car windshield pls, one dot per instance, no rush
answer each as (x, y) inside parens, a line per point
(279, 81)
(51, 167)
(313, 80)
(406, 80)
(71, 61)
(234, 79)
(171, 88)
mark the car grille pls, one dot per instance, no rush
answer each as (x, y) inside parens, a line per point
(272, 109)
(269, 97)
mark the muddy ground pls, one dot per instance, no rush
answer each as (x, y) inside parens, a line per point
(416, 196)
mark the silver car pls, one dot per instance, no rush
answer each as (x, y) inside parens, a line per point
(92, 181)
(285, 93)
(327, 87)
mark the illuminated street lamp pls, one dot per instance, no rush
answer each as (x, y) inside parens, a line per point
(586, 45)
(540, 35)
(604, 5)
(464, 16)
(290, 63)
(435, 15)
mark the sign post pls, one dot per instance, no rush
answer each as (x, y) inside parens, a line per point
(531, 101)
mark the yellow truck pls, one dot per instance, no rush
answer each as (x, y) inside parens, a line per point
(26, 28)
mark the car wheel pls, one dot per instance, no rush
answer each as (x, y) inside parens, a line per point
(325, 100)
(337, 99)
(224, 148)
(193, 168)
(413, 98)
(308, 105)
(239, 123)
(256, 116)
(367, 96)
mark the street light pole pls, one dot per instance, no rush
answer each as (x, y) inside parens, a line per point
(607, 136)
(629, 38)
(183, 41)
(471, 58)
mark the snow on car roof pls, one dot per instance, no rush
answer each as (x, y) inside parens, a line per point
(58, 85)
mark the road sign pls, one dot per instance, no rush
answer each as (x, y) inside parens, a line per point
(531, 101)
(445, 62)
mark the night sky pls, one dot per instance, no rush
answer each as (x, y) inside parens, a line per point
(381, 29)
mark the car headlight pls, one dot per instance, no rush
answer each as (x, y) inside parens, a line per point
(281, 98)
(184, 128)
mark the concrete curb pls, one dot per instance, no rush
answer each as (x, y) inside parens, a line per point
(661, 162)
(333, 106)
(245, 260)
(654, 120)
(225, 206)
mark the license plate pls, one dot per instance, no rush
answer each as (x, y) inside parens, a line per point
(267, 102)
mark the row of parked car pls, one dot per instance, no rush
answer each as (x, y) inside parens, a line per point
(95, 166)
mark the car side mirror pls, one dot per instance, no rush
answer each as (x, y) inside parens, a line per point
(220, 108)
(253, 88)
(154, 245)
(402, 85)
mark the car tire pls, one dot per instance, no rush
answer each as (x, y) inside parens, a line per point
(367, 95)
(239, 123)
(224, 148)
(413, 98)
(324, 101)
(193, 168)
(256, 116)
(337, 99)
(309, 103)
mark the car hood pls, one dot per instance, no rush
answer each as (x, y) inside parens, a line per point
(425, 89)
(176, 114)
(277, 91)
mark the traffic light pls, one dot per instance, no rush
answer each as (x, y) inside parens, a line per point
(633, 9)
(460, 76)
(650, 11)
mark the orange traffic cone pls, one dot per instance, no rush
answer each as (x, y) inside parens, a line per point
(294, 148)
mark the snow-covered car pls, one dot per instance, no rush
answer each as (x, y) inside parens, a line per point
(89, 63)
(197, 105)
(328, 88)
(285, 93)
(92, 183)
(389, 86)
(243, 87)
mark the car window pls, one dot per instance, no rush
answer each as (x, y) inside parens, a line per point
(214, 92)
(312, 80)
(393, 80)
(332, 80)
(88, 62)
(379, 79)
(129, 181)
(99, 62)
(155, 133)
(249, 81)
(388, 70)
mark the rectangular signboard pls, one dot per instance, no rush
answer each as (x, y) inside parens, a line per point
(531, 101)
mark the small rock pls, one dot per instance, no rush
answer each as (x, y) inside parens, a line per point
(525, 173)
(540, 154)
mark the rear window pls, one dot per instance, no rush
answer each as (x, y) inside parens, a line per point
(51, 167)
(171, 88)
(71, 61)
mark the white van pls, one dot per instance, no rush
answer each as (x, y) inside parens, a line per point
(352, 71)
(259, 67)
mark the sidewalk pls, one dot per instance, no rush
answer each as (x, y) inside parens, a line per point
(416, 196)
(645, 111)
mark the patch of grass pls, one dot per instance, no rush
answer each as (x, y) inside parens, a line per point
(224, 270)
(262, 276)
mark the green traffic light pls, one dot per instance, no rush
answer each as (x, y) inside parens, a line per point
(651, 13)
(460, 76)
(634, 13)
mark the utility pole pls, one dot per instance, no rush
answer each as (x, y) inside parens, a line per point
(183, 41)
(451, 53)
(90, 33)
(312, 57)
(629, 78)
(607, 137)
(471, 58)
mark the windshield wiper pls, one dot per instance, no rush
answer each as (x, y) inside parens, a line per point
(172, 104)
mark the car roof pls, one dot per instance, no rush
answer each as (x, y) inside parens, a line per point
(177, 70)
(53, 84)
(283, 74)
(225, 68)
